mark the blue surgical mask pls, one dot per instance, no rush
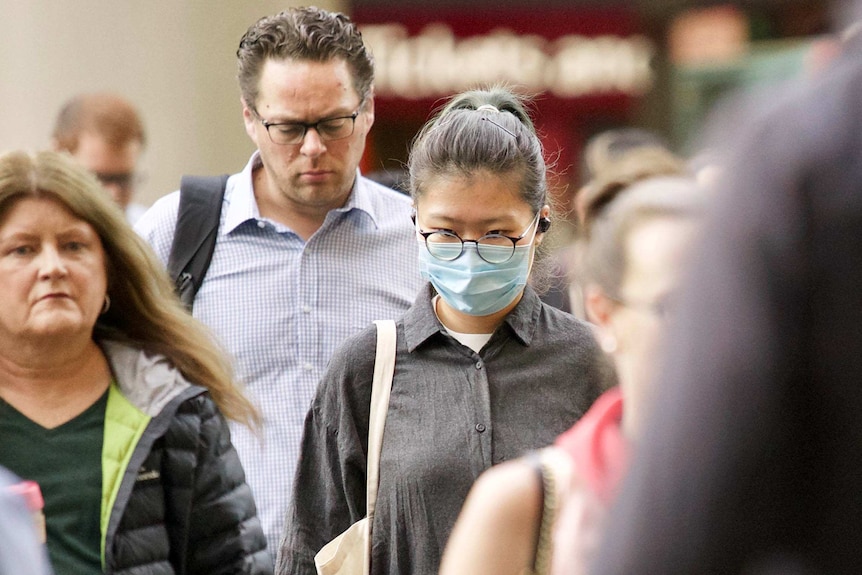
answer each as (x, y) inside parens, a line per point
(473, 286)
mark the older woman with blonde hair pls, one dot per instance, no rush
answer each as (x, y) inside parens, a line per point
(112, 398)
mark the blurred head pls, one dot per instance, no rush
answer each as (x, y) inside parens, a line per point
(604, 149)
(477, 172)
(105, 134)
(631, 256)
(308, 104)
(624, 156)
(98, 254)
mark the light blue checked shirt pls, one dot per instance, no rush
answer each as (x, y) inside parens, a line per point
(282, 305)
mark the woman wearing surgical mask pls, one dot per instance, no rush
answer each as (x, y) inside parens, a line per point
(484, 371)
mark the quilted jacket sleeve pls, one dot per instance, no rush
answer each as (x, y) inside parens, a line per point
(225, 535)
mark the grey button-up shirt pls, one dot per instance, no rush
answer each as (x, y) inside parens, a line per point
(452, 414)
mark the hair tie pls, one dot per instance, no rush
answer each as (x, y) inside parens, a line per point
(488, 107)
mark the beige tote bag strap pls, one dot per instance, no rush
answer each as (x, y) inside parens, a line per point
(384, 367)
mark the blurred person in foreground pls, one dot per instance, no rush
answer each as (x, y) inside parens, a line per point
(750, 462)
(111, 395)
(484, 371)
(631, 244)
(308, 251)
(21, 552)
(105, 134)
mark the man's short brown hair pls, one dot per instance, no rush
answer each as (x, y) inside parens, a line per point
(310, 34)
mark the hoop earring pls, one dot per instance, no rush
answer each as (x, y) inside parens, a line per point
(107, 304)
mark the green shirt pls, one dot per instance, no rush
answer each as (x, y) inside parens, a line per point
(66, 462)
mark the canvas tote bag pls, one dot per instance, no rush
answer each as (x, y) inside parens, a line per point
(350, 552)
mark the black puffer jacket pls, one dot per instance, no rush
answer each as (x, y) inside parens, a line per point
(179, 502)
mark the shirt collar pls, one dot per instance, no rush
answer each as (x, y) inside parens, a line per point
(239, 194)
(524, 319)
(242, 205)
(420, 321)
(363, 198)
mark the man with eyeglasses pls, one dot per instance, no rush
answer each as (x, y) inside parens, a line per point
(105, 134)
(308, 251)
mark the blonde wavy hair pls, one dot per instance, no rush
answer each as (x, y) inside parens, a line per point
(144, 310)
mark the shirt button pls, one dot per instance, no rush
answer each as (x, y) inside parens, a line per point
(308, 367)
(261, 225)
(479, 364)
(306, 309)
(480, 427)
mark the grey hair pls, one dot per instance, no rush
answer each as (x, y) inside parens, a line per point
(462, 140)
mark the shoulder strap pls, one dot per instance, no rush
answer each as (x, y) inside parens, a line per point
(384, 368)
(195, 234)
(548, 495)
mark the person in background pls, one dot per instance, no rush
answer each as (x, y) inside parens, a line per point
(758, 469)
(308, 250)
(631, 246)
(484, 371)
(111, 395)
(623, 155)
(620, 156)
(21, 552)
(105, 134)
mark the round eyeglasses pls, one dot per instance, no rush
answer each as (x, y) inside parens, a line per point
(446, 245)
(292, 133)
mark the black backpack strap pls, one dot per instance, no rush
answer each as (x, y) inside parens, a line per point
(195, 234)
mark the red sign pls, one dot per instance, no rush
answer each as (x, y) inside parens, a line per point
(582, 67)
(558, 53)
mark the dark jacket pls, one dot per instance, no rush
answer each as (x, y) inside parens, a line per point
(452, 414)
(175, 499)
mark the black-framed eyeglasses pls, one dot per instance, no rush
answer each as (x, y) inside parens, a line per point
(329, 129)
(446, 245)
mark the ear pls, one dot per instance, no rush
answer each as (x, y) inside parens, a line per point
(250, 120)
(369, 109)
(598, 306)
(599, 309)
(544, 223)
(581, 203)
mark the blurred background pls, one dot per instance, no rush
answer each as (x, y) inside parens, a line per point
(591, 65)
